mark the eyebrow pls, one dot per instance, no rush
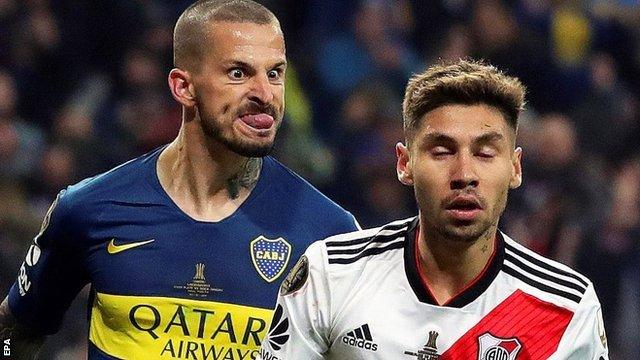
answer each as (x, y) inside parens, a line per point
(280, 64)
(238, 63)
(242, 64)
(442, 138)
(489, 137)
(438, 137)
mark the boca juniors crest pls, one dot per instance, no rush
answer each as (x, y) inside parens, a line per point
(493, 348)
(270, 257)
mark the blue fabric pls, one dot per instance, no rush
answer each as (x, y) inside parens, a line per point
(128, 204)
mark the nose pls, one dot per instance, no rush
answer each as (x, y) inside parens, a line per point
(463, 174)
(261, 90)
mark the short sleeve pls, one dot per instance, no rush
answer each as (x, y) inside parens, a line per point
(300, 325)
(52, 273)
(585, 337)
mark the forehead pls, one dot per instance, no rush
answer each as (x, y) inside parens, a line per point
(464, 122)
(245, 41)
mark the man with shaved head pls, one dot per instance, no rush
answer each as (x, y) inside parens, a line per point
(184, 247)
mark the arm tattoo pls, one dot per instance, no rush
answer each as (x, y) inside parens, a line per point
(25, 344)
(246, 178)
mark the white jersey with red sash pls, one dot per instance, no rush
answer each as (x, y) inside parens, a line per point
(361, 296)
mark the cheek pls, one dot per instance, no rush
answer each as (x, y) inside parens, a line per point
(497, 182)
(429, 184)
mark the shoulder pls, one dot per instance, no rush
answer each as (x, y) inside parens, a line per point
(340, 262)
(293, 190)
(547, 278)
(358, 248)
(283, 179)
(128, 182)
(367, 245)
(122, 182)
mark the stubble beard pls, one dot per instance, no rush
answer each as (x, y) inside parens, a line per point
(214, 131)
(464, 232)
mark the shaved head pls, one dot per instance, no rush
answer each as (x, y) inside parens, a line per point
(195, 23)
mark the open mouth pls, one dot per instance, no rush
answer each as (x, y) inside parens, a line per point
(464, 208)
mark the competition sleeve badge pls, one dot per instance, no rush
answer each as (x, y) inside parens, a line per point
(270, 257)
(429, 350)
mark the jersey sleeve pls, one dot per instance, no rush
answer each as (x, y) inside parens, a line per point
(355, 223)
(50, 276)
(585, 337)
(301, 321)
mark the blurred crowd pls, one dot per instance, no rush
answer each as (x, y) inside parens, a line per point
(83, 88)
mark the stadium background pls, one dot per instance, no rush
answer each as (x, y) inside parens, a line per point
(83, 88)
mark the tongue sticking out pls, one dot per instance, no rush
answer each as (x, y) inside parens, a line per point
(259, 121)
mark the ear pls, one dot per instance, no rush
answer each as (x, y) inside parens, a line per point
(403, 166)
(516, 169)
(181, 86)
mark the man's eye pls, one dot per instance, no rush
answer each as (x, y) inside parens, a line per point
(236, 74)
(440, 151)
(274, 74)
(486, 154)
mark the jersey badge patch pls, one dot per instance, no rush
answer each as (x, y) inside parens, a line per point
(47, 217)
(270, 257)
(601, 333)
(198, 286)
(296, 278)
(491, 347)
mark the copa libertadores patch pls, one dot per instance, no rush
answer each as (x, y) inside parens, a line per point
(296, 278)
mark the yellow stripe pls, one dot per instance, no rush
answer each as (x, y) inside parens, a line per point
(144, 327)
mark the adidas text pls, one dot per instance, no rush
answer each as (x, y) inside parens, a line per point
(363, 344)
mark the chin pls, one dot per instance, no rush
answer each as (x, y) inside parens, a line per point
(464, 233)
(251, 150)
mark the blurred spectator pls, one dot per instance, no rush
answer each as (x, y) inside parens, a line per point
(20, 142)
(501, 40)
(38, 61)
(140, 114)
(571, 34)
(18, 225)
(455, 45)
(369, 127)
(608, 116)
(8, 10)
(57, 170)
(549, 213)
(375, 48)
(611, 250)
(299, 144)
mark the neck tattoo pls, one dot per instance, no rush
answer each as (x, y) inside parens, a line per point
(246, 178)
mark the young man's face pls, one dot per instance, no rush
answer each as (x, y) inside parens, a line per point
(239, 86)
(462, 162)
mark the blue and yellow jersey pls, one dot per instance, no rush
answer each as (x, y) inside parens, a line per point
(164, 285)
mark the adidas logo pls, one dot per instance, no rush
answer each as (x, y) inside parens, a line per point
(360, 337)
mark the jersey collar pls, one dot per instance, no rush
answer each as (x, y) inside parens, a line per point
(472, 292)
